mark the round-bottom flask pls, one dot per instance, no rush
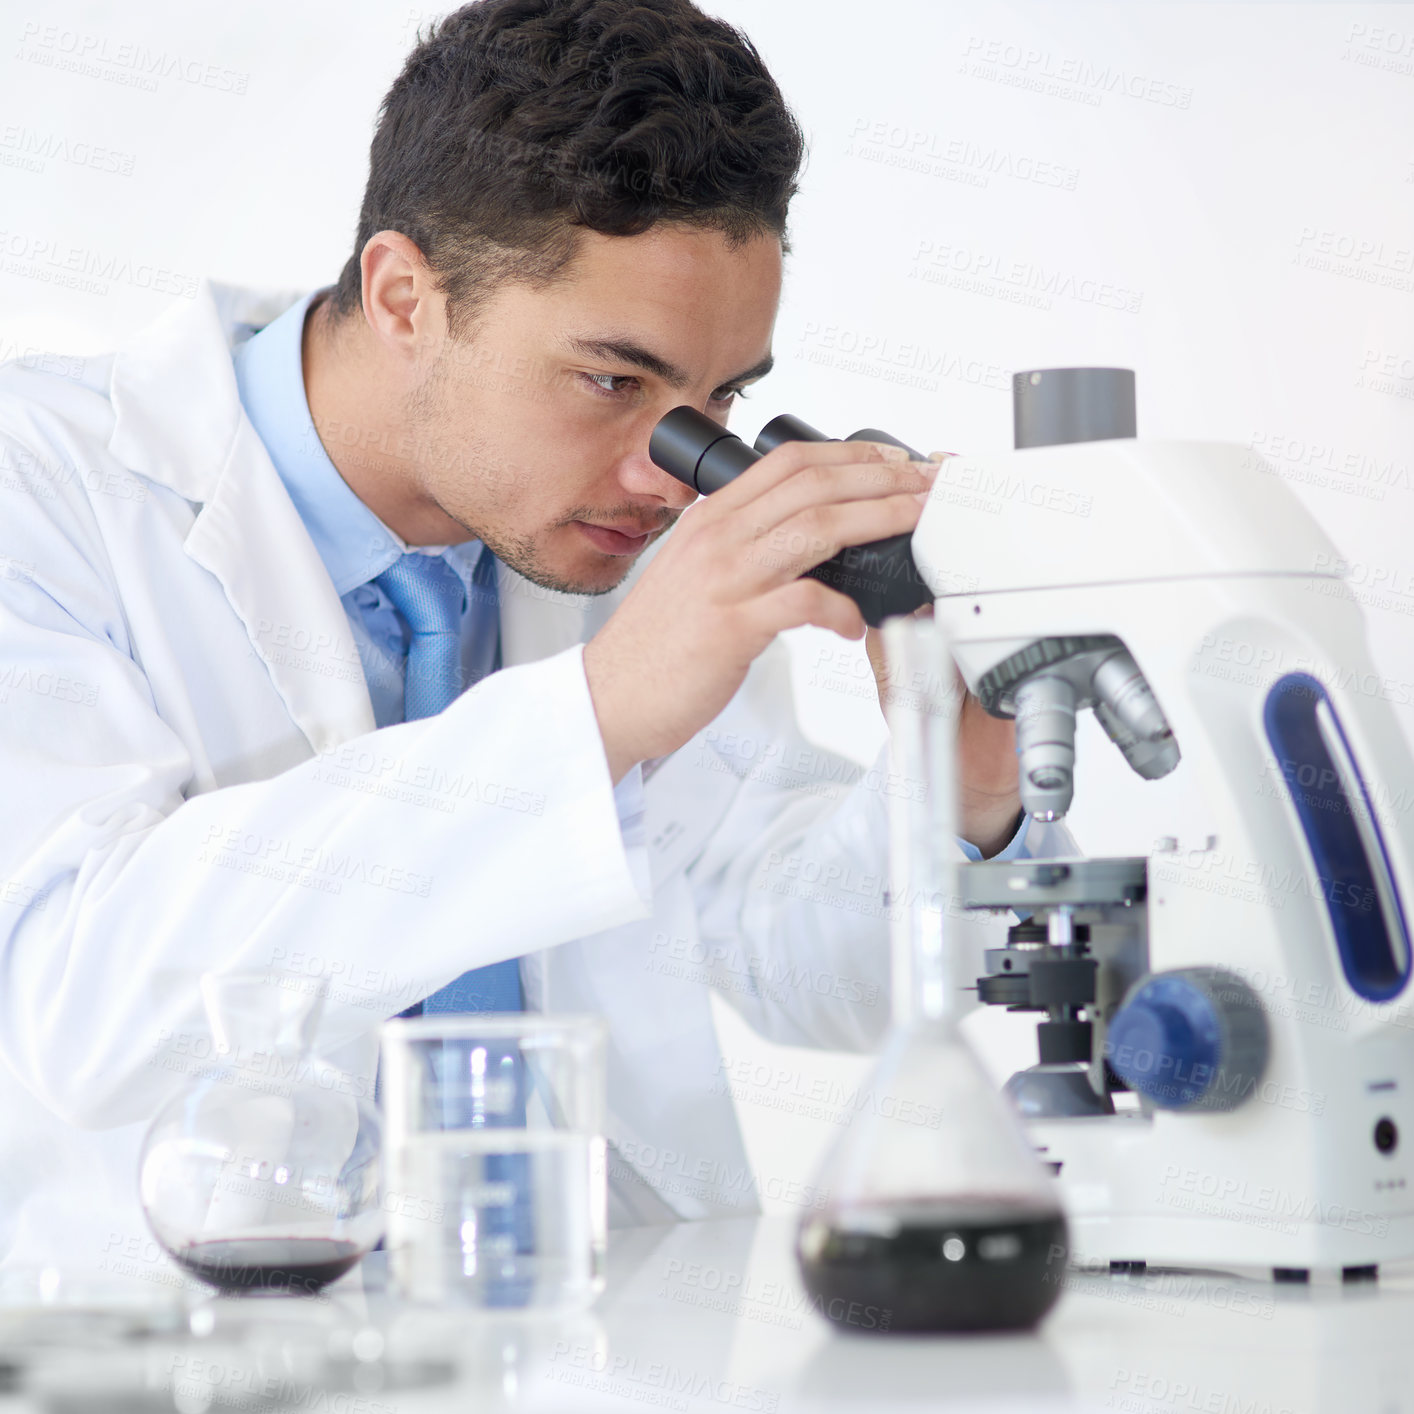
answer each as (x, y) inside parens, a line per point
(262, 1173)
(939, 1216)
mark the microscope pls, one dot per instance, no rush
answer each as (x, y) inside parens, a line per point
(1241, 990)
(1226, 1049)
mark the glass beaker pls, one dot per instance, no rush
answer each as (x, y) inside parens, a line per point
(940, 1217)
(497, 1182)
(262, 1173)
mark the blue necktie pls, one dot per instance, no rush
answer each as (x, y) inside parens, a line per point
(428, 593)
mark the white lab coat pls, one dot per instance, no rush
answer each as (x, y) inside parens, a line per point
(192, 780)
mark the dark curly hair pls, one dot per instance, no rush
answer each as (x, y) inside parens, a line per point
(516, 122)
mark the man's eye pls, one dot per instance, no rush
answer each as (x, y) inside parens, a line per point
(725, 395)
(607, 383)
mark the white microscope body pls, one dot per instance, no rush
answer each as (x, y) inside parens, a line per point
(1227, 596)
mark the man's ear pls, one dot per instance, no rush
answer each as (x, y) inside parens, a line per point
(401, 303)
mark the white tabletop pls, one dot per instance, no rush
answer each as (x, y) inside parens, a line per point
(711, 1316)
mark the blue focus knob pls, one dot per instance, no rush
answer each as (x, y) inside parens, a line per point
(1191, 1039)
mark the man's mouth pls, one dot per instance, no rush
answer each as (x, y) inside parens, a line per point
(625, 539)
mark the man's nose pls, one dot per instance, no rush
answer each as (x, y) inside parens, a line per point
(640, 474)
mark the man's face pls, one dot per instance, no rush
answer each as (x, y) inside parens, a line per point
(550, 399)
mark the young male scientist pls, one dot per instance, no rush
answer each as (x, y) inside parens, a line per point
(333, 643)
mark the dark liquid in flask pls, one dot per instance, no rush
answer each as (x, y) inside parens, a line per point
(299, 1265)
(963, 1265)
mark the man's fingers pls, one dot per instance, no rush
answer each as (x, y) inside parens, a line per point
(792, 457)
(874, 647)
(816, 535)
(817, 485)
(807, 601)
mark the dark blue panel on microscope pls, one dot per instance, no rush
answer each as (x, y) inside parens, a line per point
(1332, 802)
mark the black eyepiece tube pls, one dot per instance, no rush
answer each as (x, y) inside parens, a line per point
(789, 428)
(699, 452)
(880, 577)
(872, 434)
(786, 428)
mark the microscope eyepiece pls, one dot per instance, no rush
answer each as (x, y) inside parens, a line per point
(701, 453)
(789, 428)
(880, 577)
(786, 428)
(872, 434)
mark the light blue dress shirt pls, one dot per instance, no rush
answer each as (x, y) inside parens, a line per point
(1016, 846)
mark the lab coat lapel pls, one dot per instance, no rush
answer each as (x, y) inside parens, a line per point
(537, 623)
(178, 420)
(250, 536)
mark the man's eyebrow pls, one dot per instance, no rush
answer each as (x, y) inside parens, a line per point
(757, 370)
(610, 350)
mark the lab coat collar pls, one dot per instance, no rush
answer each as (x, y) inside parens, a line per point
(173, 390)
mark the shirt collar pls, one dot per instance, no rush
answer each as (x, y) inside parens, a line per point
(352, 541)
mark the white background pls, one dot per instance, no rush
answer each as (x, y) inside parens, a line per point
(1219, 196)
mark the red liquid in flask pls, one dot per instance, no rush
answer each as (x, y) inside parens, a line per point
(298, 1265)
(960, 1265)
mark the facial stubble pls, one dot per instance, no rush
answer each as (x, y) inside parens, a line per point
(425, 407)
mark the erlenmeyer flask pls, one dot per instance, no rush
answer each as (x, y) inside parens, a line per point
(262, 1174)
(939, 1215)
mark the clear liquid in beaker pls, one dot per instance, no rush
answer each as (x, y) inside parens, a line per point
(498, 1217)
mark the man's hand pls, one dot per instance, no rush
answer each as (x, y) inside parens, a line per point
(729, 580)
(989, 794)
